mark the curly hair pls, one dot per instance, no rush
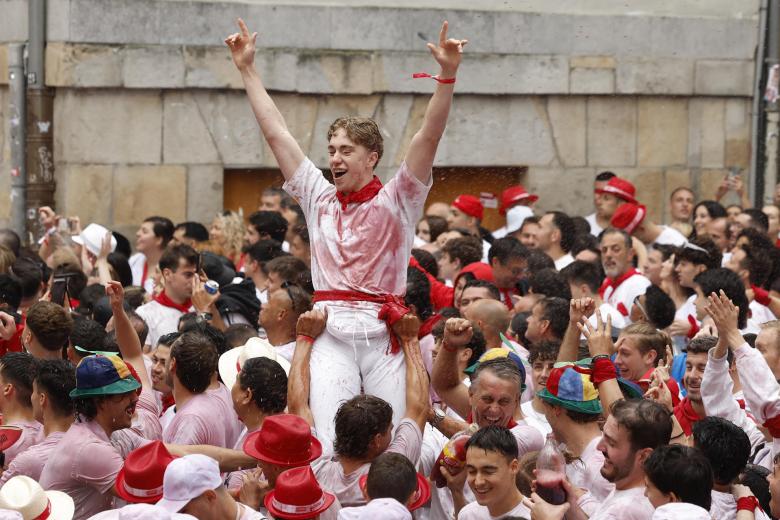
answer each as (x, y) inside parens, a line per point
(362, 131)
(232, 225)
(358, 421)
(268, 382)
(50, 323)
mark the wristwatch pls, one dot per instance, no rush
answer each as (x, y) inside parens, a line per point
(206, 316)
(438, 417)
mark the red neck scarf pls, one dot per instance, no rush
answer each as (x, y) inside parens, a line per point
(428, 325)
(507, 293)
(164, 300)
(364, 194)
(167, 402)
(686, 416)
(609, 282)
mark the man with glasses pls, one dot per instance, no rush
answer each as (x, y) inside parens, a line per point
(693, 258)
(509, 260)
(279, 315)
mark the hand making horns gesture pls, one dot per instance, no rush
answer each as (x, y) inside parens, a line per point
(448, 53)
(242, 46)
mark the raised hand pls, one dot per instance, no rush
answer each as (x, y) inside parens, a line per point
(457, 332)
(599, 338)
(581, 308)
(659, 392)
(116, 294)
(407, 327)
(311, 323)
(448, 53)
(242, 46)
(725, 316)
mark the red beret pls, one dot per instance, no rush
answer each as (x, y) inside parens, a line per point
(470, 205)
(620, 188)
(628, 216)
(515, 194)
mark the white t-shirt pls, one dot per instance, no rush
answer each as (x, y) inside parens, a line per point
(161, 320)
(628, 504)
(474, 511)
(286, 350)
(137, 263)
(563, 261)
(623, 295)
(535, 419)
(724, 507)
(485, 250)
(595, 229)
(670, 236)
(585, 472)
(618, 320)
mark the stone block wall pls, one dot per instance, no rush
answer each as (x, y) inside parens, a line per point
(149, 109)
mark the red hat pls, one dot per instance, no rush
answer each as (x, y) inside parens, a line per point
(284, 440)
(141, 478)
(478, 270)
(420, 496)
(620, 188)
(470, 205)
(8, 436)
(297, 495)
(628, 216)
(515, 194)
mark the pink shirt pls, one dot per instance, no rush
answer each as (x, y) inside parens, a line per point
(30, 462)
(407, 440)
(364, 247)
(528, 438)
(201, 420)
(86, 470)
(585, 472)
(228, 416)
(236, 478)
(32, 434)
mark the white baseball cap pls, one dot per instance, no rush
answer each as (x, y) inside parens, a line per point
(516, 216)
(26, 496)
(231, 362)
(92, 237)
(187, 478)
(140, 512)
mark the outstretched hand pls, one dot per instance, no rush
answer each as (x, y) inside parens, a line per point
(448, 53)
(242, 46)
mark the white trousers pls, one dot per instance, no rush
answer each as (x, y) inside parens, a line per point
(352, 356)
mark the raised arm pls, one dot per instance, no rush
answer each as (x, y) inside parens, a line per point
(126, 336)
(601, 348)
(422, 149)
(310, 325)
(284, 147)
(417, 395)
(445, 377)
(578, 308)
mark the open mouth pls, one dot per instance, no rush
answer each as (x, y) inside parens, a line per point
(337, 174)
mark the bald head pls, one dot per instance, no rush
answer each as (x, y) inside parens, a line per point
(491, 314)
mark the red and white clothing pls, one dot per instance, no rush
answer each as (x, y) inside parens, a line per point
(161, 319)
(362, 247)
(627, 504)
(30, 462)
(724, 507)
(201, 420)
(32, 434)
(759, 314)
(407, 440)
(142, 275)
(86, 471)
(620, 293)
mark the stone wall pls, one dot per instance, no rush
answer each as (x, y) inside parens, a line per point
(149, 108)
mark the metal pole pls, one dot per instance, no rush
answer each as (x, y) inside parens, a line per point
(756, 149)
(40, 128)
(771, 109)
(17, 111)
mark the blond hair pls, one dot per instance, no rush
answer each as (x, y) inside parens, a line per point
(233, 229)
(7, 258)
(362, 131)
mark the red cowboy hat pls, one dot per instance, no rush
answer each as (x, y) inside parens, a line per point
(470, 205)
(628, 216)
(141, 478)
(620, 188)
(284, 440)
(420, 496)
(515, 194)
(297, 495)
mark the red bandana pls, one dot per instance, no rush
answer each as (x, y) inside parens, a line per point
(686, 416)
(167, 402)
(164, 300)
(609, 282)
(364, 194)
(428, 325)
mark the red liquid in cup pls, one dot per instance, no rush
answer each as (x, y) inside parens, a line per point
(549, 488)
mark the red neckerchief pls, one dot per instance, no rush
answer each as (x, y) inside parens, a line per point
(609, 282)
(364, 194)
(508, 298)
(167, 402)
(686, 416)
(428, 325)
(164, 300)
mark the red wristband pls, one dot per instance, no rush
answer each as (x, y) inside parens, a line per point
(761, 295)
(446, 81)
(304, 337)
(603, 370)
(747, 504)
(694, 327)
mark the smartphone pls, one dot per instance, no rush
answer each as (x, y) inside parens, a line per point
(59, 288)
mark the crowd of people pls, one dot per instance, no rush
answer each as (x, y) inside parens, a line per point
(352, 350)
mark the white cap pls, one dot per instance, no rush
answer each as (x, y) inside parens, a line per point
(140, 512)
(681, 511)
(26, 496)
(231, 362)
(516, 216)
(187, 478)
(377, 509)
(92, 237)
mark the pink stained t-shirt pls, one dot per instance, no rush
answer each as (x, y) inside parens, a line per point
(228, 416)
(407, 440)
(201, 420)
(528, 438)
(364, 247)
(31, 461)
(32, 434)
(86, 470)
